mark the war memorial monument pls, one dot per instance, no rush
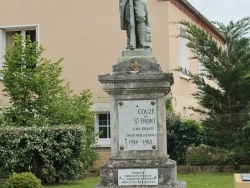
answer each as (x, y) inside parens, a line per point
(137, 88)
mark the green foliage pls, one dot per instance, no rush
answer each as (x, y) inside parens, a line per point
(23, 180)
(169, 104)
(39, 97)
(243, 144)
(51, 153)
(181, 134)
(226, 130)
(229, 68)
(30, 83)
(36, 91)
(204, 155)
(240, 152)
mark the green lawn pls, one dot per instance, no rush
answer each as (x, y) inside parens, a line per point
(208, 180)
(203, 180)
(90, 182)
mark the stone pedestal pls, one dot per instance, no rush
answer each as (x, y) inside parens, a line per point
(137, 89)
(165, 169)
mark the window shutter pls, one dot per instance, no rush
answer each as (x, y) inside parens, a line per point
(184, 52)
(2, 47)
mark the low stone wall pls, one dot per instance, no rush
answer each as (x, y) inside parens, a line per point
(3, 180)
(104, 155)
(202, 169)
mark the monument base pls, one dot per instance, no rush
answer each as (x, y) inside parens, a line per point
(145, 54)
(178, 185)
(138, 88)
(128, 173)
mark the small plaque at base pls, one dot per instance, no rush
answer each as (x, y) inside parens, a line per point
(245, 177)
(133, 177)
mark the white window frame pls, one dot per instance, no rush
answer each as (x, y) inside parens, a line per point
(201, 70)
(102, 142)
(183, 54)
(2, 47)
(22, 28)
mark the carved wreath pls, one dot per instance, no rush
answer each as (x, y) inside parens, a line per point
(135, 65)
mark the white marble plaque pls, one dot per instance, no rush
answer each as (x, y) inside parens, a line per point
(130, 177)
(137, 121)
(245, 177)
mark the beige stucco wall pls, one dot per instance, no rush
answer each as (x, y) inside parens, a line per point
(183, 88)
(86, 33)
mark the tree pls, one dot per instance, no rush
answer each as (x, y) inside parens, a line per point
(37, 94)
(229, 67)
(39, 97)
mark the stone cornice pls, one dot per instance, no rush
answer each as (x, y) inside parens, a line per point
(147, 78)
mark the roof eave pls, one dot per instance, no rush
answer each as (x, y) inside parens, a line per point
(203, 19)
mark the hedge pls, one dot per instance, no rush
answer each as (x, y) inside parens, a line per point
(204, 155)
(51, 153)
(182, 133)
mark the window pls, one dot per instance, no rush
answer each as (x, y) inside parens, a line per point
(183, 52)
(9, 36)
(184, 112)
(103, 124)
(7, 32)
(202, 72)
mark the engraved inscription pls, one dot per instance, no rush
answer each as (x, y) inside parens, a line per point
(132, 177)
(137, 124)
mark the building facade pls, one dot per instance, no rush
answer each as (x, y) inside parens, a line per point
(87, 35)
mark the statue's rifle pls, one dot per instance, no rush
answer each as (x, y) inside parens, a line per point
(132, 41)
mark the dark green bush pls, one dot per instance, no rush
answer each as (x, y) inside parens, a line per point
(23, 180)
(51, 153)
(204, 155)
(240, 152)
(225, 130)
(182, 133)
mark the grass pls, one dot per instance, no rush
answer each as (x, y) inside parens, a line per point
(208, 180)
(202, 180)
(90, 182)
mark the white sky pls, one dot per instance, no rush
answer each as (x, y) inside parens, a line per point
(222, 10)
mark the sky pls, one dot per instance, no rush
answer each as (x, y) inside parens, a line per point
(222, 10)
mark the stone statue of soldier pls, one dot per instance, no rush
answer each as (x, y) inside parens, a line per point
(134, 19)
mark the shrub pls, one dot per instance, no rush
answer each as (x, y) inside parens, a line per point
(23, 180)
(51, 153)
(181, 134)
(226, 130)
(204, 155)
(239, 154)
